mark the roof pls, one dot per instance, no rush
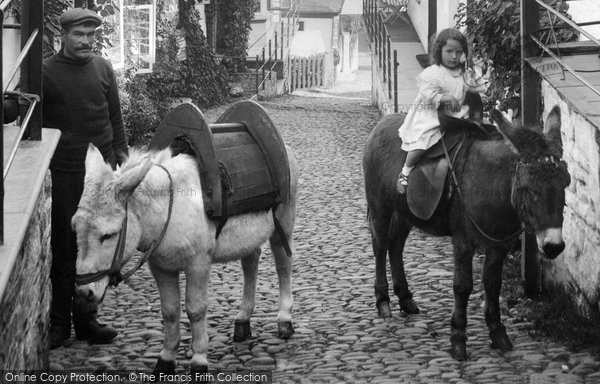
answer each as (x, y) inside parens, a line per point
(333, 7)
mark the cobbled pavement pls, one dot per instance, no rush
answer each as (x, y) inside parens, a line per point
(339, 337)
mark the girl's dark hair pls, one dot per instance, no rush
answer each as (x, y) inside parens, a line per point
(442, 38)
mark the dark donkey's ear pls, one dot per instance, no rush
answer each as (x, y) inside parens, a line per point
(552, 131)
(506, 128)
(424, 60)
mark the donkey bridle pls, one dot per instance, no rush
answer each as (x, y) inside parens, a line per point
(114, 272)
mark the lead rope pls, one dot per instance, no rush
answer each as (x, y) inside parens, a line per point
(479, 229)
(150, 251)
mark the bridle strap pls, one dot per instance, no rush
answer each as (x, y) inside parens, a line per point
(114, 272)
(460, 195)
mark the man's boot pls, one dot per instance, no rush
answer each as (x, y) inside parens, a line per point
(87, 326)
(58, 335)
(60, 307)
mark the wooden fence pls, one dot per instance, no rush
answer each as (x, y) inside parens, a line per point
(307, 72)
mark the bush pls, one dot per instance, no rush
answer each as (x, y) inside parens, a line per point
(493, 29)
(140, 114)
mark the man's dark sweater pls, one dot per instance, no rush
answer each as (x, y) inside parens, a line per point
(81, 99)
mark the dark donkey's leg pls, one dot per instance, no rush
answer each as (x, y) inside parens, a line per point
(380, 225)
(462, 286)
(398, 233)
(492, 282)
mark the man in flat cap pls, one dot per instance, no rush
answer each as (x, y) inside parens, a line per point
(80, 98)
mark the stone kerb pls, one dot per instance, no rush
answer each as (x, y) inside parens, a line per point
(577, 270)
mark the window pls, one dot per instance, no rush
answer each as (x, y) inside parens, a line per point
(134, 36)
(281, 5)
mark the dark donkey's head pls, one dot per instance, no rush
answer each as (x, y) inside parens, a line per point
(539, 180)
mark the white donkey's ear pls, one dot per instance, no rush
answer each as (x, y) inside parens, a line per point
(94, 162)
(132, 177)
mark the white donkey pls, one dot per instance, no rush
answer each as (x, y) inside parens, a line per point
(158, 199)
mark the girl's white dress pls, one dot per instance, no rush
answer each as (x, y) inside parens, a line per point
(420, 127)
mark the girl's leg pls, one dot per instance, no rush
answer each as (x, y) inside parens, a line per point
(412, 158)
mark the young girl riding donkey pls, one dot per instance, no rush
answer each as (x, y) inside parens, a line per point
(442, 83)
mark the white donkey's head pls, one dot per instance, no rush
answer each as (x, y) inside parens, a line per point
(107, 234)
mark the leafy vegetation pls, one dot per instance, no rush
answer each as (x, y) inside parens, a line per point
(551, 315)
(234, 18)
(493, 29)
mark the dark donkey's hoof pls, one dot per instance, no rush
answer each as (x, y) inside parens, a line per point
(409, 306)
(241, 330)
(458, 348)
(285, 329)
(163, 366)
(383, 308)
(500, 340)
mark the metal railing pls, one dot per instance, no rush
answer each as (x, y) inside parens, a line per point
(266, 64)
(274, 52)
(379, 35)
(29, 62)
(568, 23)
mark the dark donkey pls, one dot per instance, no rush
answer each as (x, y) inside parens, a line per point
(504, 183)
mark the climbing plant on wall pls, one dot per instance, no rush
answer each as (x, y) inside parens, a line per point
(234, 26)
(493, 27)
(185, 65)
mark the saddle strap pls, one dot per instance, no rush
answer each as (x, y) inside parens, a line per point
(281, 234)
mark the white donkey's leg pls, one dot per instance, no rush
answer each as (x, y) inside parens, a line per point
(196, 303)
(242, 321)
(283, 264)
(168, 288)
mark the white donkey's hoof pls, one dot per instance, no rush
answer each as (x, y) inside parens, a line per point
(286, 329)
(163, 367)
(198, 373)
(241, 330)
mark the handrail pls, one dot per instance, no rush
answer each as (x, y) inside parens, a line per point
(568, 21)
(21, 57)
(565, 66)
(22, 128)
(5, 5)
(32, 24)
(287, 15)
(558, 59)
(292, 14)
(381, 39)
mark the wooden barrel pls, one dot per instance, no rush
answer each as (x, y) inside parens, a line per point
(242, 159)
(247, 183)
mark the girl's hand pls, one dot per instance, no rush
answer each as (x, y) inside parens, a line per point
(449, 103)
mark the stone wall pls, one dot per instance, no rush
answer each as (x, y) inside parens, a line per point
(25, 305)
(577, 270)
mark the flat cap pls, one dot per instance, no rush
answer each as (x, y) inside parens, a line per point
(77, 16)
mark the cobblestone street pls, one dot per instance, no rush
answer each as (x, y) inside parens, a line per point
(339, 337)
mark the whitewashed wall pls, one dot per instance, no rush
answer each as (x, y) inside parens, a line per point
(419, 15)
(577, 270)
(446, 10)
(322, 25)
(418, 12)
